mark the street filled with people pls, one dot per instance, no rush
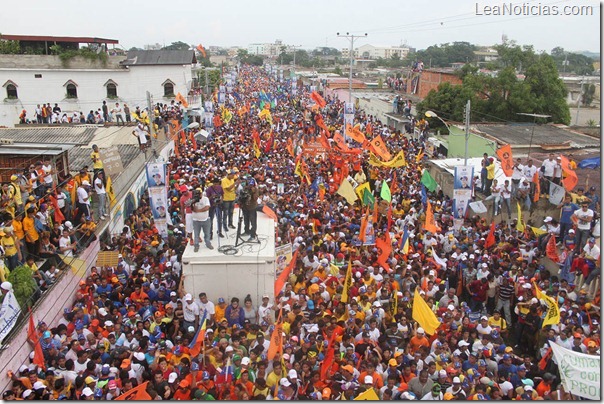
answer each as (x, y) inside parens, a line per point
(387, 296)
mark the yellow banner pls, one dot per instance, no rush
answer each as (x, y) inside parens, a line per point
(397, 161)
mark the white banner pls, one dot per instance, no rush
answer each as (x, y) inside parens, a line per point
(556, 193)
(9, 313)
(158, 197)
(478, 207)
(580, 372)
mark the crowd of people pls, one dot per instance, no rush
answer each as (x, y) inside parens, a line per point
(345, 312)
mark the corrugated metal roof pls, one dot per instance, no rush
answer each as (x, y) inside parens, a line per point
(76, 135)
(521, 133)
(111, 135)
(80, 156)
(159, 57)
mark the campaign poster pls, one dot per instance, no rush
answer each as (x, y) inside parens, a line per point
(348, 114)
(369, 234)
(463, 177)
(156, 175)
(283, 255)
(461, 200)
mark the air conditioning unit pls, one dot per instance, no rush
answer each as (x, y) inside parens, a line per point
(7, 141)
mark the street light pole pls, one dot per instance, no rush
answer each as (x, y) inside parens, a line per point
(465, 156)
(351, 38)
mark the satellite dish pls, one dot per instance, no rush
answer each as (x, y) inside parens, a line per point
(193, 125)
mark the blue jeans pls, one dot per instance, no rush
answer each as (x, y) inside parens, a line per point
(205, 225)
(228, 207)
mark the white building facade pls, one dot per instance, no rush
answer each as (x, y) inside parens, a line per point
(83, 86)
(375, 52)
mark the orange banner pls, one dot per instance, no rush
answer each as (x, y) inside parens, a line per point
(378, 146)
(339, 139)
(571, 180)
(318, 99)
(430, 224)
(280, 282)
(505, 156)
(355, 134)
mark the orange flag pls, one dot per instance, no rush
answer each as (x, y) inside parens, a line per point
(570, 181)
(550, 249)
(290, 147)
(201, 50)
(321, 123)
(182, 100)
(430, 224)
(385, 245)
(285, 274)
(355, 134)
(490, 240)
(537, 186)
(324, 140)
(139, 393)
(199, 338)
(507, 163)
(339, 139)
(276, 342)
(321, 192)
(369, 128)
(269, 212)
(32, 335)
(318, 99)
(328, 361)
(363, 228)
(378, 146)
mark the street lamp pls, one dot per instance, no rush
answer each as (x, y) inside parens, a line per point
(351, 38)
(432, 114)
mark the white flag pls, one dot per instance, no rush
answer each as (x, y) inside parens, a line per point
(556, 193)
(9, 313)
(438, 260)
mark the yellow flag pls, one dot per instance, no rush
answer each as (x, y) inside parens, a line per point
(520, 224)
(360, 190)
(552, 316)
(110, 193)
(367, 395)
(298, 170)
(334, 270)
(347, 283)
(347, 191)
(538, 231)
(256, 150)
(397, 161)
(422, 313)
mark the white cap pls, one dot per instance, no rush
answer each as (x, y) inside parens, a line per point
(172, 378)
(39, 385)
(526, 285)
(284, 382)
(103, 311)
(484, 318)
(188, 296)
(140, 356)
(23, 368)
(377, 304)
(87, 392)
(108, 323)
(534, 300)
(547, 219)
(456, 380)
(172, 294)
(85, 182)
(191, 329)
(368, 379)
(463, 343)
(228, 349)
(450, 307)
(27, 392)
(292, 374)
(6, 286)
(245, 361)
(420, 330)
(485, 265)
(442, 373)
(528, 388)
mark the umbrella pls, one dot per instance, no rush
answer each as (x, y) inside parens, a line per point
(193, 125)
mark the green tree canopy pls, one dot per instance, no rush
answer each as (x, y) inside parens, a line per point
(177, 46)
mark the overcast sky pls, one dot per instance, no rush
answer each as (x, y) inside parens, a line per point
(309, 23)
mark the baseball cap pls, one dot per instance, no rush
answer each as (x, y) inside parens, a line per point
(172, 377)
(368, 379)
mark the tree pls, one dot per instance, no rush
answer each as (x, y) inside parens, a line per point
(445, 54)
(571, 62)
(244, 57)
(213, 79)
(24, 286)
(177, 46)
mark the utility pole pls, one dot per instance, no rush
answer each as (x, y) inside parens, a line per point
(579, 101)
(206, 72)
(465, 156)
(351, 38)
(151, 115)
(295, 46)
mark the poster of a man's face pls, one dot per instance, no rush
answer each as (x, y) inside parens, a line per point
(462, 176)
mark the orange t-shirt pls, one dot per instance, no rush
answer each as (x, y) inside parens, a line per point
(415, 343)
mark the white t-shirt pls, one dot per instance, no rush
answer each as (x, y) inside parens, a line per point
(549, 166)
(99, 187)
(582, 215)
(82, 196)
(592, 252)
(65, 242)
(201, 216)
(190, 311)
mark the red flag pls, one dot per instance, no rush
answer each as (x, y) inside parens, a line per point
(269, 212)
(139, 393)
(490, 240)
(507, 163)
(32, 335)
(285, 274)
(385, 245)
(318, 99)
(330, 353)
(571, 180)
(550, 249)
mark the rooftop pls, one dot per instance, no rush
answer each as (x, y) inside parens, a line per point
(159, 57)
(520, 134)
(50, 38)
(63, 135)
(80, 156)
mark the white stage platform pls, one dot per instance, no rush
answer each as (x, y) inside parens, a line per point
(249, 271)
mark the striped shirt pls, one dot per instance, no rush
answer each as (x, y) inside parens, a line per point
(506, 292)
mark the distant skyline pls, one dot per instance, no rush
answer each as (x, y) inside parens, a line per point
(310, 23)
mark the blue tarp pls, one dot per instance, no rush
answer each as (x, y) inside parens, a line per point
(590, 163)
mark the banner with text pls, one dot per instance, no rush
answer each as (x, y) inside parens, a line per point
(579, 372)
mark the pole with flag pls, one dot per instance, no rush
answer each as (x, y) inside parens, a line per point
(196, 345)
